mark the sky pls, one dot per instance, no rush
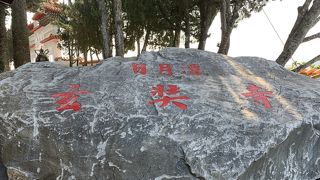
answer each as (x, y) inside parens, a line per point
(255, 36)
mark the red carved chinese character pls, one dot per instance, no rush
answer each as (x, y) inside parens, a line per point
(257, 96)
(195, 69)
(165, 100)
(165, 68)
(68, 100)
(139, 68)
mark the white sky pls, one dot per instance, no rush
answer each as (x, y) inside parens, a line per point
(255, 37)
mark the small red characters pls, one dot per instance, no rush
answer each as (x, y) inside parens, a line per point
(164, 98)
(68, 100)
(195, 69)
(139, 68)
(165, 68)
(257, 96)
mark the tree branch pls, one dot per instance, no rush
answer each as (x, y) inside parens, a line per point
(309, 63)
(312, 37)
(306, 5)
(299, 32)
(317, 20)
(302, 10)
(235, 15)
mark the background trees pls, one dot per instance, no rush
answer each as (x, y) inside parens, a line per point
(80, 30)
(91, 27)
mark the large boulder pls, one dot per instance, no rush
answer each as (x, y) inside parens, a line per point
(189, 115)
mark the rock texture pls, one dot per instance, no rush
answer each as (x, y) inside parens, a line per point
(117, 134)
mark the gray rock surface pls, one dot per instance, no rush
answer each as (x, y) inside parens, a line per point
(117, 134)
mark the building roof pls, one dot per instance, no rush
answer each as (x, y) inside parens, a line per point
(52, 7)
(38, 15)
(311, 72)
(45, 15)
(51, 37)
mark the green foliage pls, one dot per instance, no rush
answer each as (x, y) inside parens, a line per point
(79, 27)
(315, 66)
(294, 65)
(34, 5)
(164, 19)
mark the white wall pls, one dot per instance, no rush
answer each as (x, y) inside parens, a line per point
(51, 45)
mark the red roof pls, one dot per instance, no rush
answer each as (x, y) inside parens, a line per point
(312, 72)
(50, 38)
(38, 15)
(52, 7)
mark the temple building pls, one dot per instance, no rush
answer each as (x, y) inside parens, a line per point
(44, 34)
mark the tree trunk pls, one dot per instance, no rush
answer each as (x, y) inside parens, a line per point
(225, 43)
(85, 56)
(146, 41)
(208, 10)
(21, 52)
(226, 27)
(306, 19)
(176, 39)
(77, 54)
(104, 28)
(97, 54)
(3, 171)
(9, 46)
(70, 54)
(187, 31)
(91, 56)
(117, 10)
(3, 40)
(138, 46)
(228, 20)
